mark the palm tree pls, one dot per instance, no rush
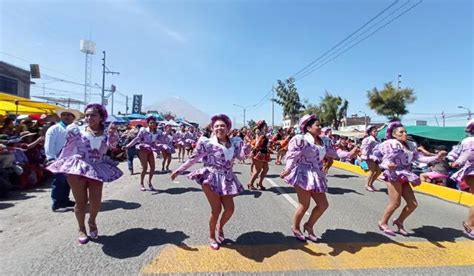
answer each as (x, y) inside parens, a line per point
(333, 109)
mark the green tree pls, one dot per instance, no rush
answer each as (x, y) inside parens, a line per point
(390, 102)
(289, 99)
(310, 108)
(251, 124)
(333, 109)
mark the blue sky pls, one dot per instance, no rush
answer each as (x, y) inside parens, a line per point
(218, 53)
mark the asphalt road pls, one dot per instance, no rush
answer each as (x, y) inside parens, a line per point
(166, 232)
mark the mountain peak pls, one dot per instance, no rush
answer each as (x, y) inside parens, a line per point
(182, 109)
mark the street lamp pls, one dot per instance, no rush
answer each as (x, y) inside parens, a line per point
(365, 118)
(468, 111)
(244, 108)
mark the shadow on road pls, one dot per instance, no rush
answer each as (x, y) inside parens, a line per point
(113, 204)
(435, 234)
(254, 193)
(6, 205)
(286, 190)
(341, 191)
(341, 240)
(260, 245)
(19, 195)
(178, 190)
(342, 176)
(272, 176)
(133, 242)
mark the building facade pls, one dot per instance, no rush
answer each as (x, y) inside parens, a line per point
(355, 120)
(14, 80)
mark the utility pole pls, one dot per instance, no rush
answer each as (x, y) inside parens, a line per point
(443, 116)
(106, 70)
(273, 107)
(126, 105)
(112, 109)
(244, 108)
(103, 78)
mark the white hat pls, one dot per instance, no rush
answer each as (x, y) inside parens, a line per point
(75, 112)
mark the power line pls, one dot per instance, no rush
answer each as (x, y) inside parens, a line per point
(364, 38)
(345, 39)
(335, 52)
(31, 62)
(59, 90)
(311, 67)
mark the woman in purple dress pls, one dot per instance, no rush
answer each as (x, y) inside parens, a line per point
(304, 171)
(368, 145)
(168, 148)
(395, 155)
(465, 160)
(190, 141)
(180, 137)
(83, 159)
(217, 178)
(146, 142)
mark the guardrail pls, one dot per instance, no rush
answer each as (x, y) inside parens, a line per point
(442, 192)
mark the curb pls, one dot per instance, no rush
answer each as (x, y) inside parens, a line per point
(445, 193)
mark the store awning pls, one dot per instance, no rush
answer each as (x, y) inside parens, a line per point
(19, 105)
(452, 134)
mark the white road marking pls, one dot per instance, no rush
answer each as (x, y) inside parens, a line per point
(285, 195)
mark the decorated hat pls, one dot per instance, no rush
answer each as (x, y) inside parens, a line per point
(369, 129)
(470, 126)
(391, 127)
(304, 121)
(259, 124)
(221, 117)
(150, 118)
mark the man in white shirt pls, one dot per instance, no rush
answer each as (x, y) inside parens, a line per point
(54, 142)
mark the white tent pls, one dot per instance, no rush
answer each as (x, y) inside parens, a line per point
(172, 123)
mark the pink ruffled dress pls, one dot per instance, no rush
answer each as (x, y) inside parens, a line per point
(85, 155)
(218, 162)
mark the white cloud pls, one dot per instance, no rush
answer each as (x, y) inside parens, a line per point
(149, 19)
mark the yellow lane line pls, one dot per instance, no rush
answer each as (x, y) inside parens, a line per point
(445, 193)
(311, 256)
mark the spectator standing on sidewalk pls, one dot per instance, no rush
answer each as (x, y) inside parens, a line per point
(55, 141)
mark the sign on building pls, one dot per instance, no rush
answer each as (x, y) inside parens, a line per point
(137, 104)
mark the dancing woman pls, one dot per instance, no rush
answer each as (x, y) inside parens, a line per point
(368, 145)
(260, 156)
(217, 178)
(395, 156)
(83, 159)
(146, 142)
(180, 138)
(326, 136)
(168, 148)
(304, 171)
(465, 158)
(190, 139)
(290, 133)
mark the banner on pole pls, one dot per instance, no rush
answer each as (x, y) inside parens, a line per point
(137, 104)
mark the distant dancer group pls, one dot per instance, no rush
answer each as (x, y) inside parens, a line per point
(308, 156)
